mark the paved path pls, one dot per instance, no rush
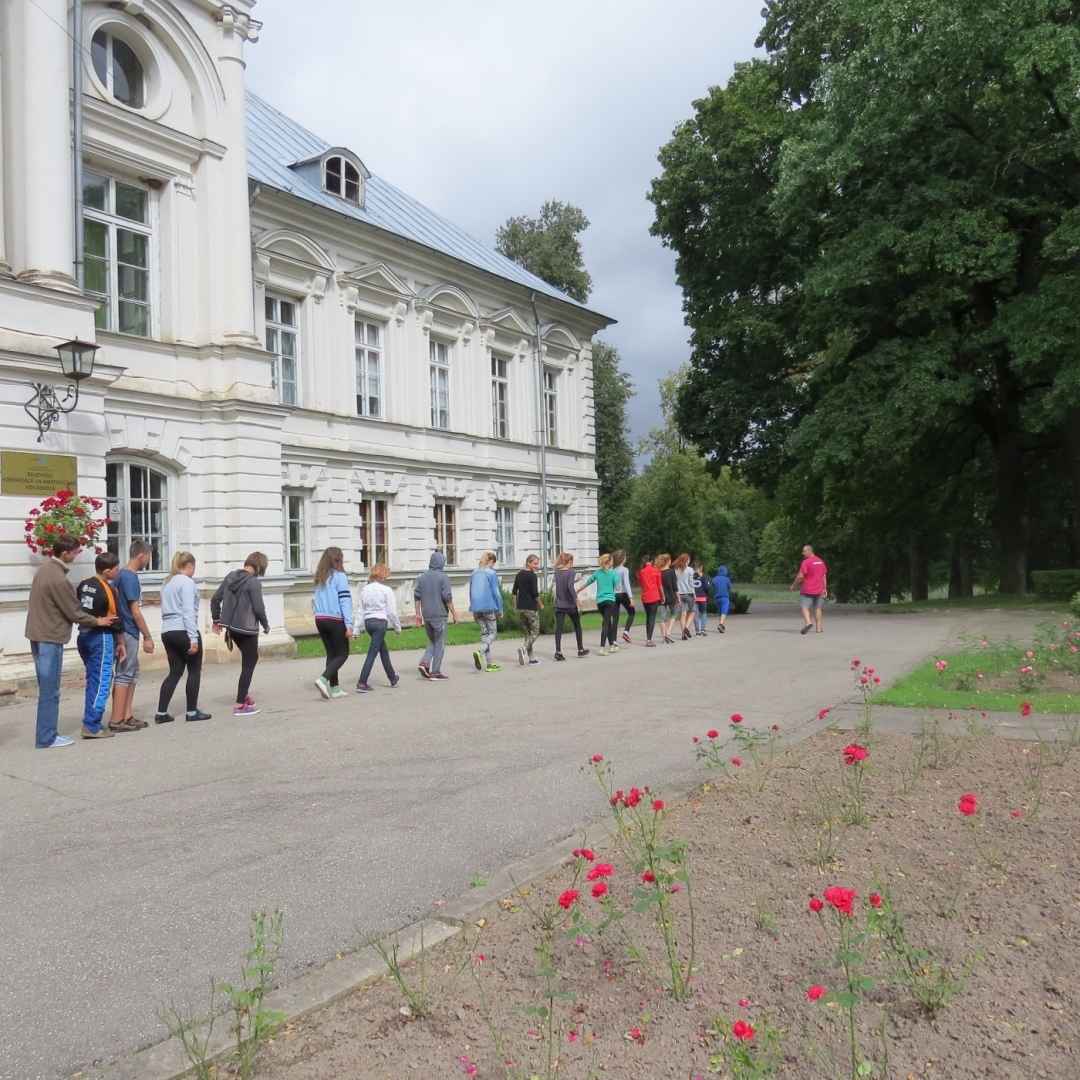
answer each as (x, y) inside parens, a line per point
(128, 866)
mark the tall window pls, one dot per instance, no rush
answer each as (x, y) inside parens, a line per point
(551, 407)
(504, 535)
(342, 178)
(440, 384)
(138, 508)
(500, 394)
(292, 526)
(554, 535)
(446, 531)
(368, 369)
(374, 532)
(116, 239)
(283, 340)
(119, 69)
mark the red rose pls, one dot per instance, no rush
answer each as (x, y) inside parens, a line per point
(1025, 708)
(35, 512)
(815, 904)
(633, 798)
(736, 718)
(696, 739)
(648, 877)
(742, 1030)
(823, 713)
(968, 805)
(568, 898)
(597, 757)
(658, 805)
(815, 992)
(841, 899)
(79, 511)
(875, 900)
(585, 853)
(713, 734)
(48, 528)
(776, 727)
(600, 870)
(599, 889)
(736, 761)
(854, 753)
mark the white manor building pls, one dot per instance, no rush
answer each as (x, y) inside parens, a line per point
(293, 353)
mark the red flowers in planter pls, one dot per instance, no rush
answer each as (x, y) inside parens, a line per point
(568, 898)
(968, 805)
(742, 1030)
(854, 753)
(840, 898)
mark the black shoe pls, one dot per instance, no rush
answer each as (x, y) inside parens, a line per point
(197, 715)
(559, 656)
(394, 681)
(806, 629)
(163, 718)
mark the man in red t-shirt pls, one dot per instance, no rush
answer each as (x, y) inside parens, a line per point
(812, 588)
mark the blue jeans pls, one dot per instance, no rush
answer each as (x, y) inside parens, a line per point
(377, 629)
(48, 661)
(701, 617)
(98, 652)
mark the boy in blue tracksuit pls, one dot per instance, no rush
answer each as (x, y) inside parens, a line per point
(101, 648)
(486, 604)
(721, 584)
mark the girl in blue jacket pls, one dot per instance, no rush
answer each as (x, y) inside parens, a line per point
(333, 619)
(486, 604)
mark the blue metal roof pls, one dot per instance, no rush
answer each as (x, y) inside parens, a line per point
(275, 142)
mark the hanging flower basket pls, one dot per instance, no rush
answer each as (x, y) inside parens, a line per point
(64, 512)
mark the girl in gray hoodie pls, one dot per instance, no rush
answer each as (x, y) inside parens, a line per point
(237, 608)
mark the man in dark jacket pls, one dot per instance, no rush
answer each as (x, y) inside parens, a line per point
(433, 600)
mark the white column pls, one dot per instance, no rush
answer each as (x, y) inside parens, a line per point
(235, 276)
(5, 266)
(37, 130)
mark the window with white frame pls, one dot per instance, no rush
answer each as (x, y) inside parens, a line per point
(119, 69)
(439, 353)
(137, 498)
(551, 406)
(374, 532)
(500, 398)
(368, 369)
(283, 341)
(554, 536)
(294, 539)
(342, 178)
(504, 535)
(116, 244)
(446, 531)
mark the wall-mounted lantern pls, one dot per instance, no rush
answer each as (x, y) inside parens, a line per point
(77, 363)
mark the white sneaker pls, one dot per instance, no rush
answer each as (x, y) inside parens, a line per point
(339, 691)
(323, 687)
(523, 656)
(61, 740)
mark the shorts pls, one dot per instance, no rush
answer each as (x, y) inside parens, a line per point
(666, 611)
(127, 670)
(814, 601)
(686, 602)
(723, 604)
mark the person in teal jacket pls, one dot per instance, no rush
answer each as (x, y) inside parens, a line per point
(486, 604)
(607, 584)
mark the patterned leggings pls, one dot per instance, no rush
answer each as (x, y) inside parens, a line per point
(530, 622)
(489, 628)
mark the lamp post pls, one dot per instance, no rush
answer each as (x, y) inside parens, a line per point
(46, 407)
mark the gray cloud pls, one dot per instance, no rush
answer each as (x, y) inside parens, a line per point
(486, 109)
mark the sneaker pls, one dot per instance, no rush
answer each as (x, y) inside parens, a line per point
(247, 709)
(60, 740)
(613, 648)
(394, 681)
(722, 628)
(323, 687)
(583, 652)
(494, 667)
(101, 733)
(523, 656)
(163, 718)
(249, 700)
(196, 715)
(533, 661)
(478, 660)
(363, 688)
(424, 669)
(339, 691)
(123, 725)
(603, 651)
(559, 656)
(626, 638)
(438, 675)
(650, 644)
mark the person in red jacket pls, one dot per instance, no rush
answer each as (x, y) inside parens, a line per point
(652, 592)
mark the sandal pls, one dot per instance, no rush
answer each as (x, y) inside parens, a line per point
(123, 725)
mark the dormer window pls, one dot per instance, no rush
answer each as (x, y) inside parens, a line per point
(342, 178)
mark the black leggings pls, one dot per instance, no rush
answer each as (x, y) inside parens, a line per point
(336, 644)
(609, 609)
(650, 619)
(248, 644)
(176, 644)
(623, 600)
(560, 621)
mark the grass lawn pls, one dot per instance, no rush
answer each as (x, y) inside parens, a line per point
(927, 687)
(413, 637)
(982, 602)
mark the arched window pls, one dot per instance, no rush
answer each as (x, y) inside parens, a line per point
(138, 502)
(119, 69)
(342, 178)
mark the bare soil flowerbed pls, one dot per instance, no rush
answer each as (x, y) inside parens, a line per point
(995, 892)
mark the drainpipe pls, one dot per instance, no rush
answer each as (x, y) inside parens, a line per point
(77, 132)
(543, 449)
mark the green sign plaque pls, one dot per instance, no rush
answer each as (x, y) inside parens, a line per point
(37, 474)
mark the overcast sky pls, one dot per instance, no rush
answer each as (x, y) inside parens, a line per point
(485, 109)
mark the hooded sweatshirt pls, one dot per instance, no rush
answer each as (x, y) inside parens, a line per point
(238, 603)
(484, 591)
(721, 583)
(433, 589)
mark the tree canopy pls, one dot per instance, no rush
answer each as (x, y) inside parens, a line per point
(615, 468)
(548, 247)
(877, 230)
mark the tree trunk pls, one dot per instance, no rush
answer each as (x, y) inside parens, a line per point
(1011, 503)
(920, 588)
(1072, 444)
(967, 576)
(955, 567)
(885, 581)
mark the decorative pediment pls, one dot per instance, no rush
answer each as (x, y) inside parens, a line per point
(560, 337)
(448, 487)
(377, 276)
(509, 493)
(289, 246)
(511, 323)
(451, 298)
(378, 481)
